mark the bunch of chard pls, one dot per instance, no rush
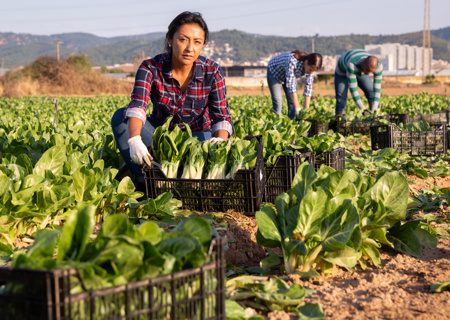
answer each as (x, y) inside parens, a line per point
(243, 156)
(195, 160)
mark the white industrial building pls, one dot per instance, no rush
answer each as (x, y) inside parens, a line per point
(396, 56)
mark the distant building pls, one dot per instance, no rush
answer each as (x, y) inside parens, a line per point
(396, 56)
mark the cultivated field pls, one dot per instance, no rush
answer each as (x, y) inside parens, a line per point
(379, 250)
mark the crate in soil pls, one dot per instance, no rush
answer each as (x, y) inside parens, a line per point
(317, 127)
(197, 293)
(415, 143)
(439, 118)
(447, 129)
(334, 159)
(397, 118)
(279, 177)
(244, 193)
(347, 128)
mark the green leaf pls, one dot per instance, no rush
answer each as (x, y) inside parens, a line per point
(150, 232)
(271, 261)
(52, 159)
(279, 293)
(404, 238)
(178, 247)
(44, 244)
(126, 186)
(392, 190)
(338, 227)
(337, 183)
(372, 253)
(268, 224)
(425, 237)
(311, 213)
(84, 182)
(303, 179)
(347, 257)
(311, 311)
(75, 235)
(196, 227)
(440, 286)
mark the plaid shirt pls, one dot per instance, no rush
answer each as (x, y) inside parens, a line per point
(286, 69)
(203, 106)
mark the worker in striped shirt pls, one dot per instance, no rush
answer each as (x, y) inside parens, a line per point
(352, 71)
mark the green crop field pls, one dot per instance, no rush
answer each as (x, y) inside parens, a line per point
(62, 177)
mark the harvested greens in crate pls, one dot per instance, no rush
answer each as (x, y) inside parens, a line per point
(126, 272)
(232, 178)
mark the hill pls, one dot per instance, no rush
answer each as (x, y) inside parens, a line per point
(22, 49)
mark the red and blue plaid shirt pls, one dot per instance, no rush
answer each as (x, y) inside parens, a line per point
(203, 106)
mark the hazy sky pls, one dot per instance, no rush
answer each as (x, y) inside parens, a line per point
(268, 17)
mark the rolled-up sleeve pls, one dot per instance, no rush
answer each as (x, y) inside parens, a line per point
(219, 110)
(140, 96)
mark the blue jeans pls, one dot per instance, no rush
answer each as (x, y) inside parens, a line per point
(120, 131)
(277, 98)
(341, 88)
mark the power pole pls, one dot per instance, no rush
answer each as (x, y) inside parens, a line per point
(312, 44)
(426, 41)
(58, 42)
(3, 63)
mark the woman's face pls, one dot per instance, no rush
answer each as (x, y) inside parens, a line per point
(307, 68)
(187, 43)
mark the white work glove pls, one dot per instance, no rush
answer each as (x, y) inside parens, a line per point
(139, 151)
(215, 139)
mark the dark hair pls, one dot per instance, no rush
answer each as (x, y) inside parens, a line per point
(182, 19)
(314, 59)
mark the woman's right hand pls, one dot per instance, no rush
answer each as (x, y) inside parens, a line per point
(139, 151)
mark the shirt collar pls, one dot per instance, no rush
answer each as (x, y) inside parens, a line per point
(167, 72)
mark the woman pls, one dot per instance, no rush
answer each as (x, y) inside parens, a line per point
(283, 70)
(179, 83)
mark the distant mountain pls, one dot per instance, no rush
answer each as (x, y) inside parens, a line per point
(21, 49)
(443, 33)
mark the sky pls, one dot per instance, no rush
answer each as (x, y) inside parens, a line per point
(290, 18)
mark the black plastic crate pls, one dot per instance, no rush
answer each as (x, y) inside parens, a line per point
(197, 293)
(415, 143)
(447, 129)
(279, 177)
(347, 128)
(436, 119)
(439, 118)
(397, 118)
(334, 159)
(244, 193)
(317, 127)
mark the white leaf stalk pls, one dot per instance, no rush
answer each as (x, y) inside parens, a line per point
(243, 156)
(195, 161)
(217, 159)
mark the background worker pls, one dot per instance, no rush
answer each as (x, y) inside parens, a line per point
(283, 71)
(179, 83)
(353, 70)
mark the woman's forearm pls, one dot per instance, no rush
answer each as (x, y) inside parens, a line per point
(295, 100)
(134, 127)
(307, 101)
(221, 134)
